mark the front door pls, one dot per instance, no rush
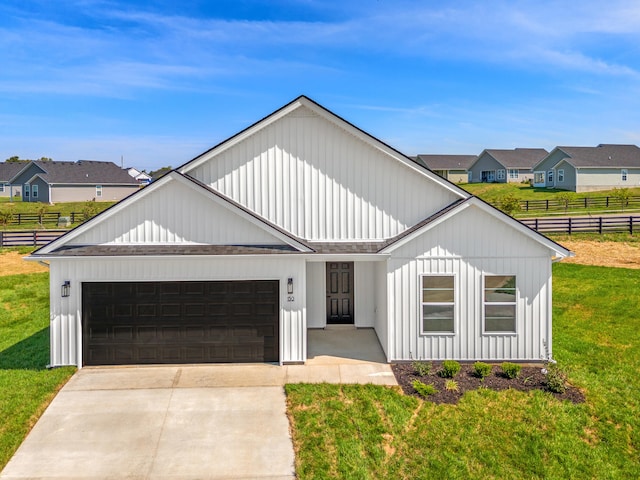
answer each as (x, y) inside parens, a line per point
(339, 292)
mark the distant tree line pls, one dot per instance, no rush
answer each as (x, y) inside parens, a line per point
(17, 159)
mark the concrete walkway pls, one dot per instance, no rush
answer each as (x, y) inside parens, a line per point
(183, 422)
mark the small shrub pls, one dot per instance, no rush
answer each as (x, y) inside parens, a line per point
(509, 204)
(482, 369)
(422, 368)
(451, 385)
(511, 370)
(450, 368)
(556, 379)
(424, 389)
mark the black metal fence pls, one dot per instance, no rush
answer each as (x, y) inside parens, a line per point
(617, 224)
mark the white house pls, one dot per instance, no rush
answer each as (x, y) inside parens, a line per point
(300, 221)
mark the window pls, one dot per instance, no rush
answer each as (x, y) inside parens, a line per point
(26, 190)
(34, 191)
(438, 303)
(538, 178)
(500, 304)
(98, 191)
(513, 173)
(501, 174)
(550, 177)
(624, 174)
(2, 187)
(560, 176)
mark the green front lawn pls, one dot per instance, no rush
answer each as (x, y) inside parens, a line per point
(26, 386)
(346, 431)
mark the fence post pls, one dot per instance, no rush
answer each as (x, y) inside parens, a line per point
(1, 239)
(585, 202)
(607, 201)
(35, 238)
(630, 224)
(569, 225)
(547, 205)
(526, 205)
(600, 226)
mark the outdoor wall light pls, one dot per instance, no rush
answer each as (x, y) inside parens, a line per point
(289, 286)
(66, 288)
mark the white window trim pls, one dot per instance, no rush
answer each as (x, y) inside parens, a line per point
(2, 186)
(455, 304)
(561, 176)
(34, 191)
(624, 174)
(98, 191)
(542, 173)
(514, 173)
(26, 190)
(550, 176)
(500, 174)
(517, 301)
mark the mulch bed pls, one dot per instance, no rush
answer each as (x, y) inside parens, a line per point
(530, 378)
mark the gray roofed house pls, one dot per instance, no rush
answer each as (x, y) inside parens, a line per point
(7, 171)
(452, 167)
(84, 180)
(586, 169)
(502, 166)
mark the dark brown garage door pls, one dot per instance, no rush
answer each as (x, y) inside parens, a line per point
(180, 322)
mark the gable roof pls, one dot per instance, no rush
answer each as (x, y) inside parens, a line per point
(521, 158)
(62, 246)
(8, 170)
(304, 101)
(616, 156)
(457, 207)
(82, 172)
(446, 162)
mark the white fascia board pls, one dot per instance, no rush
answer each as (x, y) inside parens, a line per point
(241, 213)
(425, 228)
(122, 204)
(37, 175)
(308, 256)
(25, 168)
(239, 137)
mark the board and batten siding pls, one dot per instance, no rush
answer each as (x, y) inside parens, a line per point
(66, 313)
(320, 182)
(489, 246)
(176, 214)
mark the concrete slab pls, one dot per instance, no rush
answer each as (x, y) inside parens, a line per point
(231, 375)
(313, 374)
(123, 378)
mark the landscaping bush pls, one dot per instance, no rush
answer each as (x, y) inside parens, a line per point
(422, 368)
(482, 369)
(451, 385)
(424, 389)
(556, 378)
(450, 368)
(511, 370)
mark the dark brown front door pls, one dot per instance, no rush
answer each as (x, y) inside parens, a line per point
(180, 322)
(339, 292)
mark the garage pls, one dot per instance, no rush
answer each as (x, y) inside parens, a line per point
(132, 323)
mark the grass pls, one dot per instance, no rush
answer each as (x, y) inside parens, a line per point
(346, 431)
(494, 192)
(26, 386)
(65, 209)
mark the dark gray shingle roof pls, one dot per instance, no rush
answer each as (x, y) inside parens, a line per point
(519, 157)
(84, 172)
(617, 156)
(446, 162)
(9, 170)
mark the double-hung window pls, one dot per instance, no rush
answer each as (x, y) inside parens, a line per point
(438, 303)
(27, 190)
(513, 173)
(550, 177)
(98, 191)
(500, 297)
(624, 174)
(501, 174)
(560, 176)
(34, 191)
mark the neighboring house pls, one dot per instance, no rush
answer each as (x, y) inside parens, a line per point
(84, 180)
(587, 169)
(503, 166)
(141, 177)
(454, 168)
(300, 221)
(7, 171)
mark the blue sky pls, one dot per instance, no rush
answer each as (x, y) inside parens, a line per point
(158, 82)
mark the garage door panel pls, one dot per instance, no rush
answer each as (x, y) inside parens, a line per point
(180, 322)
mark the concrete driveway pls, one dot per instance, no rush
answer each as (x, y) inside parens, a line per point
(160, 423)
